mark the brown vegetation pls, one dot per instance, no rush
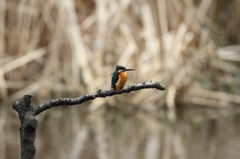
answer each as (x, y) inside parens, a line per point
(53, 49)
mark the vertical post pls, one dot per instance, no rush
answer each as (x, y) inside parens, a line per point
(28, 126)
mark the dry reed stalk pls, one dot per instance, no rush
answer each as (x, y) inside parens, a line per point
(219, 96)
(31, 89)
(229, 53)
(3, 87)
(225, 66)
(79, 57)
(2, 27)
(23, 60)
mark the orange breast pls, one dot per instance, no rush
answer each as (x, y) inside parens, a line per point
(123, 77)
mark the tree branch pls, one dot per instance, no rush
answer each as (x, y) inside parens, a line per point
(27, 112)
(73, 101)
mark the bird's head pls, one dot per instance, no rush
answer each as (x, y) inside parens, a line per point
(122, 69)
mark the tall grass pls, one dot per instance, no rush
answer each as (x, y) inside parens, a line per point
(52, 48)
(67, 48)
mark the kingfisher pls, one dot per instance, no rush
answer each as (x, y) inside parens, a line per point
(119, 77)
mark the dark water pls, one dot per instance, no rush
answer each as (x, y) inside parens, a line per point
(197, 133)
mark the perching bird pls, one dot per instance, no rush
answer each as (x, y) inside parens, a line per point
(119, 77)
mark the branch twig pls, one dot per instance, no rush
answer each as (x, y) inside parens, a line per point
(102, 94)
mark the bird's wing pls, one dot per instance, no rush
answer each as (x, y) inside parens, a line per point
(114, 79)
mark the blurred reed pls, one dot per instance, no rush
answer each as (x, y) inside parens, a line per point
(51, 48)
(67, 48)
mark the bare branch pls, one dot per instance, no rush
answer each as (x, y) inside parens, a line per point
(27, 112)
(102, 94)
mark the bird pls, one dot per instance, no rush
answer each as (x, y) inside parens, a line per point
(119, 77)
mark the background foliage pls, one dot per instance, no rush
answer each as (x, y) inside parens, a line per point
(68, 48)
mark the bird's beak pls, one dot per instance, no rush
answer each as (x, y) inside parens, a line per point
(129, 69)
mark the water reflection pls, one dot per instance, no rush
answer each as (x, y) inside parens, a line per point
(199, 133)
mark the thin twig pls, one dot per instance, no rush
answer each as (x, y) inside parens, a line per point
(74, 101)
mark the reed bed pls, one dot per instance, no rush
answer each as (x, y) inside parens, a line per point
(68, 48)
(51, 49)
